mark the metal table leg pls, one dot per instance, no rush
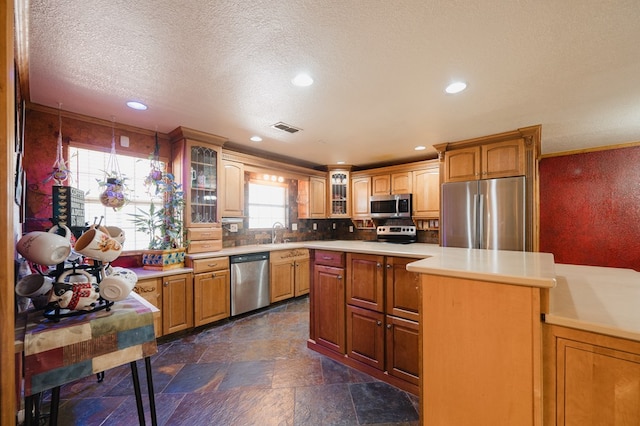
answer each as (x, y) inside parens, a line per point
(136, 388)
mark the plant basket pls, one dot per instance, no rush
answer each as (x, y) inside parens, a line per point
(161, 260)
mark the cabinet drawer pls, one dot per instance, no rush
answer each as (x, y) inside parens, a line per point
(284, 255)
(208, 265)
(204, 246)
(329, 258)
(199, 234)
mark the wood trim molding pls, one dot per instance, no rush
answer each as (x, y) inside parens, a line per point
(256, 164)
(8, 397)
(196, 135)
(594, 149)
(163, 137)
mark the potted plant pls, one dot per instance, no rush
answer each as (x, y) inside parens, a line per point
(163, 224)
(115, 193)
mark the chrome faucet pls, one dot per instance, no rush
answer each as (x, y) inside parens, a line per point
(274, 237)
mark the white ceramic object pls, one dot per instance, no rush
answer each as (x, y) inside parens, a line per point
(45, 248)
(98, 245)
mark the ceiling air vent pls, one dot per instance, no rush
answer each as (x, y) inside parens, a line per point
(287, 128)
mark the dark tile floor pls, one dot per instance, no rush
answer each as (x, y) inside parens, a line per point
(254, 370)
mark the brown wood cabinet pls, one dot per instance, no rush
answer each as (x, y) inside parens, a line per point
(365, 281)
(211, 290)
(338, 194)
(328, 301)
(402, 353)
(491, 160)
(590, 379)
(151, 290)
(177, 303)
(289, 273)
(232, 189)
(402, 289)
(312, 198)
(393, 183)
(195, 164)
(426, 192)
(366, 336)
(383, 303)
(360, 197)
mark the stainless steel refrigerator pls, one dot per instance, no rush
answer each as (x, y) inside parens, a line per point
(488, 214)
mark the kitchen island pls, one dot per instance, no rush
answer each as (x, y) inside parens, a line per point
(498, 328)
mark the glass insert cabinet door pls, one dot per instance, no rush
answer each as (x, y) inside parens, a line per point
(339, 193)
(202, 185)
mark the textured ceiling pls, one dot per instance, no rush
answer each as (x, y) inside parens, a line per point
(380, 68)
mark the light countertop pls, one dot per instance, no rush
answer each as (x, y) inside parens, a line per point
(591, 298)
(598, 299)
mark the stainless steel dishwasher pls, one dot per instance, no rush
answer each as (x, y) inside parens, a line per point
(249, 282)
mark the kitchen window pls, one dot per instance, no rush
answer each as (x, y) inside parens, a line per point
(87, 168)
(267, 204)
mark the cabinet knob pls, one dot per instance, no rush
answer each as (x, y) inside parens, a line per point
(379, 323)
(213, 275)
(339, 277)
(166, 283)
(378, 265)
(389, 266)
(389, 326)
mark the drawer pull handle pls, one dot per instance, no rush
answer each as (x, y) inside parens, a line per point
(326, 257)
(212, 264)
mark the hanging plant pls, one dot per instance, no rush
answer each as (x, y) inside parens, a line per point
(115, 193)
(60, 172)
(156, 173)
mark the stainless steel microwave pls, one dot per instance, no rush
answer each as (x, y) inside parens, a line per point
(390, 206)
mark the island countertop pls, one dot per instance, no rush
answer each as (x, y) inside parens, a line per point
(597, 299)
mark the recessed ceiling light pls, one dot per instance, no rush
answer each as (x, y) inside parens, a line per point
(256, 138)
(137, 105)
(420, 148)
(302, 80)
(456, 87)
(340, 162)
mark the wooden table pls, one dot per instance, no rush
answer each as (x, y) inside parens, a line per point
(56, 353)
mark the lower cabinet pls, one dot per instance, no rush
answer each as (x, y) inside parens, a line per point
(211, 288)
(327, 301)
(403, 357)
(151, 290)
(177, 303)
(289, 274)
(365, 336)
(380, 300)
(590, 379)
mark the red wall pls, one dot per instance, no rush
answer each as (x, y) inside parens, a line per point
(590, 208)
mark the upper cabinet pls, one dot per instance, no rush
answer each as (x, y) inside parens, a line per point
(426, 192)
(232, 188)
(196, 162)
(312, 198)
(360, 195)
(394, 183)
(338, 185)
(487, 161)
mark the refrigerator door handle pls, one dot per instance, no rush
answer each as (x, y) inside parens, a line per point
(480, 206)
